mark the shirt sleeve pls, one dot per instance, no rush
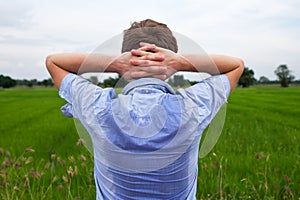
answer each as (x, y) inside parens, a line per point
(209, 95)
(80, 95)
(65, 92)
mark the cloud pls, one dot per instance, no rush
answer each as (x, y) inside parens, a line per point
(15, 13)
(264, 33)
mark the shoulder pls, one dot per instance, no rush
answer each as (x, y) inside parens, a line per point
(212, 89)
(71, 81)
(218, 83)
(74, 86)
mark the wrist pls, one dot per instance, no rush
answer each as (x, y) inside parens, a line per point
(185, 64)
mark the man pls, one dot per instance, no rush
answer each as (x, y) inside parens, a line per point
(146, 139)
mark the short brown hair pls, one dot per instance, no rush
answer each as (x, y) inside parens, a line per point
(151, 32)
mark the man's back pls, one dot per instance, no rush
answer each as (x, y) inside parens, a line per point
(146, 140)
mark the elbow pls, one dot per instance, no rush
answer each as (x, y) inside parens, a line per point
(241, 63)
(241, 67)
(49, 61)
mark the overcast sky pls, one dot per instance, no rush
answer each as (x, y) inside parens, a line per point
(264, 33)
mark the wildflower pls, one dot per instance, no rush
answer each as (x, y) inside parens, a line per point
(28, 160)
(29, 150)
(72, 159)
(35, 174)
(60, 187)
(80, 142)
(83, 158)
(17, 164)
(256, 155)
(59, 160)
(23, 159)
(8, 154)
(54, 179)
(288, 191)
(70, 172)
(65, 179)
(25, 185)
(286, 178)
(25, 177)
(16, 188)
(6, 163)
(76, 170)
(215, 165)
(52, 157)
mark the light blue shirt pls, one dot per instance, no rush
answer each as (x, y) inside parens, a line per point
(145, 140)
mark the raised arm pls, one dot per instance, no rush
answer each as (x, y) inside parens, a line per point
(232, 67)
(213, 64)
(59, 65)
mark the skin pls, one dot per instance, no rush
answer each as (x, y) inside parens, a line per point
(232, 67)
(59, 65)
(147, 61)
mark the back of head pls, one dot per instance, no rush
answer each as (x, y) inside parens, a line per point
(151, 32)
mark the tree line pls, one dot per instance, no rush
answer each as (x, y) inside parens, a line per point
(247, 79)
(284, 77)
(8, 82)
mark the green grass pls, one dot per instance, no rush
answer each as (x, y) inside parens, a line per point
(256, 157)
(31, 118)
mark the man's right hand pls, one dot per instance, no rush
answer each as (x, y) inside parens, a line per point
(123, 66)
(232, 67)
(149, 56)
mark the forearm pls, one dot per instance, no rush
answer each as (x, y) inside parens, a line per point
(60, 65)
(81, 63)
(212, 64)
(232, 67)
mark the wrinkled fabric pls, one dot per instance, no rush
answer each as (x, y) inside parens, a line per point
(145, 139)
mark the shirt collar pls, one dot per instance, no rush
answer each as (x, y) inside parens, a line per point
(162, 85)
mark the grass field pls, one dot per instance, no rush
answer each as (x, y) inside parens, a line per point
(256, 157)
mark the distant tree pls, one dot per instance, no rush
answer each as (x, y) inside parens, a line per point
(247, 78)
(47, 82)
(34, 82)
(193, 82)
(263, 80)
(284, 75)
(178, 80)
(94, 79)
(21, 82)
(7, 82)
(29, 83)
(110, 82)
